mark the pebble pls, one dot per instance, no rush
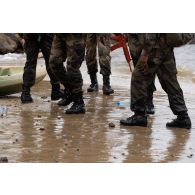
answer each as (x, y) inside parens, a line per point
(41, 128)
(77, 149)
(44, 97)
(111, 124)
(190, 156)
(3, 159)
(36, 124)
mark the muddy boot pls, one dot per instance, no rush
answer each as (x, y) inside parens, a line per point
(182, 121)
(107, 90)
(56, 93)
(67, 98)
(138, 119)
(94, 83)
(26, 96)
(78, 105)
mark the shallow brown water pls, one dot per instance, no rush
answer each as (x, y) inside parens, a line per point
(88, 137)
(41, 132)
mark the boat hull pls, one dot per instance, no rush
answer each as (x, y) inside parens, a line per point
(11, 78)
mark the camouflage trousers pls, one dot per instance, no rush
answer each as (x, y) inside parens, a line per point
(135, 50)
(70, 47)
(102, 41)
(151, 88)
(162, 63)
(35, 42)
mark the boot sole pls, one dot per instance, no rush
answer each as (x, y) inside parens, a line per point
(55, 99)
(181, 127)
(26, 102)
(152, 113)
(139, 125)
(81, 112)
(89, 90)
(106, 93)
(133, 125)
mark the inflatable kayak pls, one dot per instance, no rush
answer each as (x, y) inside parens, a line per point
(11, 78)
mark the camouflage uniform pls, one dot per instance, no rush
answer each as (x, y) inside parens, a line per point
(33, 43)
(71, 47)
(135, 49)
(156, 58)
(161, 61)
(102, 41)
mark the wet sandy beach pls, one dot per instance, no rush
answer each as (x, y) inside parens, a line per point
(41, 132)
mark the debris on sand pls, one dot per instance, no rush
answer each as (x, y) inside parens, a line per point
(3, 111)
(190, 156)
(111, 124)
(43, 97)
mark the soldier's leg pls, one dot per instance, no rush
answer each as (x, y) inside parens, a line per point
(167, 74)
(135, 54)
(57, 58)
(75, 57)
(140, 81)
(149, 102)
(91, 60)
(104, 50)
(31, 50)
(45, 45)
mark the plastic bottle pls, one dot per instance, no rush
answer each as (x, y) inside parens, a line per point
(3, 111)
(123, 103)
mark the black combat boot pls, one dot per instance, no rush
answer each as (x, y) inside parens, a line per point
(78, 105)
(56, 93)
(25, 96)
(138, 119)
(94, 83)
(107, 90)
(67, 98)
(182, 121)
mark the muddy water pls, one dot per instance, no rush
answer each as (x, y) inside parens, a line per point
(41, 132)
